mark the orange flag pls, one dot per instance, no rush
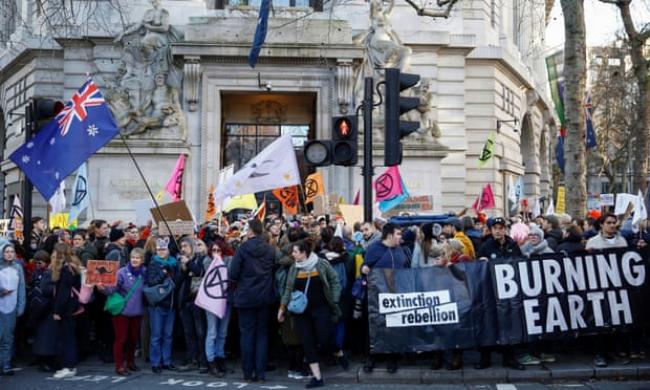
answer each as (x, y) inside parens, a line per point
(313, 186)
(260, 213)
(211, 210)
(289, 198)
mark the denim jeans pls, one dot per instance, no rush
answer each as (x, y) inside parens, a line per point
(161, 320)
(193, 319)
(253, 327)
(7, 327)
(216, 335)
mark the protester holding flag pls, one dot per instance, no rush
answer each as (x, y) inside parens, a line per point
(126, 324)
(217, 325)
(12, 304)
(160, 273)
(66, 274)
(188, 280)
(319, 284)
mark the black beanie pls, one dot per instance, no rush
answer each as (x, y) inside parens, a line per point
(116, 234)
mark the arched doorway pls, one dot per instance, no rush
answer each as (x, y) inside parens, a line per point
(529, 158)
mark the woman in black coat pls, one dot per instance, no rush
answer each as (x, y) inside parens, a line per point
(572, 241)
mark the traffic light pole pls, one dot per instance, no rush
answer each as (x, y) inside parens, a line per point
(367, 149)
(27, 188)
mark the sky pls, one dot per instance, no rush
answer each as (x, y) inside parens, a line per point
(602, 22)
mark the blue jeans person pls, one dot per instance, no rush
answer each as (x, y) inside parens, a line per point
(7, 327)
(162, 329)
(254, 340)
(193, 319)
(215, 340)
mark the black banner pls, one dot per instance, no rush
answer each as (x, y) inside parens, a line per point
(507, 301)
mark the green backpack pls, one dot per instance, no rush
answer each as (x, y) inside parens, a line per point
(115, 302)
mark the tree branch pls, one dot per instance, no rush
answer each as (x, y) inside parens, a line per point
(434, 14)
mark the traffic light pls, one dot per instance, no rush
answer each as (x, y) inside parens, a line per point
(344, 140)
(342, 149)
(41, 111)
(395, 106)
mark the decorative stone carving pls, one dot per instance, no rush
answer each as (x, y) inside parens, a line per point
(145, 93)
(344, 84)
(192, 72)
(269, 111)
(426, 113)
(384, 49)
(531, 98)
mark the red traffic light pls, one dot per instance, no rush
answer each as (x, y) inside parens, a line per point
(343, 128)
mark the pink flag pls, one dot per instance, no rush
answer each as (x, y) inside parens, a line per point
(213, 289)
(388, 185)
(357, 198)
(485, 200)
(174, 186)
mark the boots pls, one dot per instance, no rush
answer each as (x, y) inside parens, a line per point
(220, 367)
(212, 368)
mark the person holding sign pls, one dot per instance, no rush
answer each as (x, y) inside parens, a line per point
(312, 280)
(12, 304)
(126, 323)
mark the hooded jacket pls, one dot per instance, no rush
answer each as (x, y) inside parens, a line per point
(252, 270)
(492, 249)
(88, 252)
(12, 278)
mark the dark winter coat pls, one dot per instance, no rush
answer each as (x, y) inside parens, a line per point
(252, 270)
(116, 252)
(157, 272)
(183, 279)
(553, 237)
(66, 302)
(88, 252)
(492, 249)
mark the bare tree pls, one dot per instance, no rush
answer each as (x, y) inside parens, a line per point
(575, 73)
(641, 68)
(614, 101)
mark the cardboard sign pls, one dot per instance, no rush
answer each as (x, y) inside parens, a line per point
(422, 204)
(4, 226)
(594, 202)
(178, 228)
(351, 213)
(172, 212)
(320, 205)
(607, 199)
(102, 272)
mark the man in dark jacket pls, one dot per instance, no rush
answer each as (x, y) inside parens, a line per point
(552, 232)
(499, 245)
(252, 271)
(386, 253)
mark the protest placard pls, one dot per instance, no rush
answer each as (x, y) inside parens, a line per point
(102, 272)
(351, 213)
(4, 226)
(60, 220)
(142, 213)
(178, 228)
(607, 199)
(422, 204)
(172, 212)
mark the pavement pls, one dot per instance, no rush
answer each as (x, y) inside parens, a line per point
(569, 371)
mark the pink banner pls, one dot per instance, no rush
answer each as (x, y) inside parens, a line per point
(388, 185)
(212, 295)
(486, 200)
(174, 186)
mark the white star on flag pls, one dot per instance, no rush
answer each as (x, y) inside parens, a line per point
(52, 141)
(92, 130)
(25, 159)
(30, 145)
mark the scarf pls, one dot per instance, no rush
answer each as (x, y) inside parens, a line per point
(169, 262)
(308, 264)
(135, 271)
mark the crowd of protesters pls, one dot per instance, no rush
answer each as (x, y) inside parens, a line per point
(292, 293)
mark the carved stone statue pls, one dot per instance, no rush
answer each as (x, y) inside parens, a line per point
(384, 48)
(429, 130)
(145, 94)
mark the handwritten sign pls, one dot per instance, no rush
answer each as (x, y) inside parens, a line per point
(178, 228)
(102, 272)
(607, 199)
(422, 204)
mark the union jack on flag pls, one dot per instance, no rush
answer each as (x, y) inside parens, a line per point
(87, 96)
(83, 126)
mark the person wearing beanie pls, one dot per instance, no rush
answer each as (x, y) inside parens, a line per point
(116, 248)
(552, 231)
(536, 244)
(12, 304)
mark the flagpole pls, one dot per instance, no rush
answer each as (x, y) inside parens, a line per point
(155, 202)
(304, 205)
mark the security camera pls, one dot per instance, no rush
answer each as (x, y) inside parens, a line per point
(268, 86)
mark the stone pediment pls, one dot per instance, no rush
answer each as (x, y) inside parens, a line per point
(240, 30)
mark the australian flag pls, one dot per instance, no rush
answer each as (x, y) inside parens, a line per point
(590, 137)
(83, 126)
(260, 32)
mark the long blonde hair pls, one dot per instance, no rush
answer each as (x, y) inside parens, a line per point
(62, 255)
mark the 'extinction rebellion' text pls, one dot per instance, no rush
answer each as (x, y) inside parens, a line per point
(418, 309)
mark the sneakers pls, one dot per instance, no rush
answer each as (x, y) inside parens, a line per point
(600, 361)
(189, 366)
(7, 371)
(65, 373)
(547, 358)
(295, 375)
(529, 360)
(637, 354)
(313, 383)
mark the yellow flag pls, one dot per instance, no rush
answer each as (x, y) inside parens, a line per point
(247, 202)
(160, 195)
(60, 220)
(313, 187)
(560, 207)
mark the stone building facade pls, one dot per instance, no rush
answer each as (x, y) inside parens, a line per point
(482, 65)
